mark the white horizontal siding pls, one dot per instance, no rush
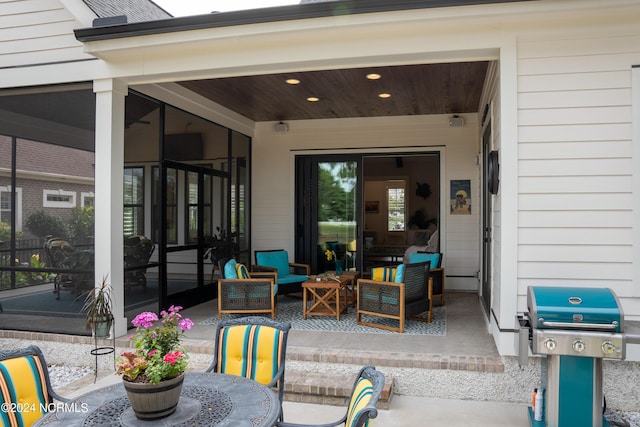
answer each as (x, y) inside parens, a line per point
(574, 149)
(569, 253)
(575, 162)
(576, 98)
(589, 237)
(567, 82)
(576, 116)
(575, 219)
(573, 167)
(571, 202)
(37, 32)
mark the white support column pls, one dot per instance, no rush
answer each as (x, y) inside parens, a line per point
(109, 158)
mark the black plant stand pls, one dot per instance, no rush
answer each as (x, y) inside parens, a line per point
(102, 351)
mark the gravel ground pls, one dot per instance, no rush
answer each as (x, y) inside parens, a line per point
(623, 419)
(62, 376)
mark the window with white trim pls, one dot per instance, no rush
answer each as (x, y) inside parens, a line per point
(5, 206)
(88, 199)
(395, 205)
(58, 199)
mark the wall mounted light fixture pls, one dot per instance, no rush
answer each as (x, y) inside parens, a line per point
(456, 121)
(281, 127)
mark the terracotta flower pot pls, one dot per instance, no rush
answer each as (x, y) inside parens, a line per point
(154, 401)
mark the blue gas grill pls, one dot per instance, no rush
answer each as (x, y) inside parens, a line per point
(574, 329)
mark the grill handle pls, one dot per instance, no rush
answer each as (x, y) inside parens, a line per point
(613, 326)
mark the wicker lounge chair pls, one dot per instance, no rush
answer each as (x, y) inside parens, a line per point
(406, 296)
(240, 292)
(24, 381)
(436, 273)
(362, 404)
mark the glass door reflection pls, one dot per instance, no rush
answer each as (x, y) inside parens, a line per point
(336, 215)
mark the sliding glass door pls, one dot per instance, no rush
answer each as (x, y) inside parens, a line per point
(328, 213)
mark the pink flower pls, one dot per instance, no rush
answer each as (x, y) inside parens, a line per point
(145, 320)
(185, 324)
(172, 358)
(152, 352)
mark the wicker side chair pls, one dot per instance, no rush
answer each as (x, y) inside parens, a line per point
(252, 347)
(24, 380)
(406, 297)
(362, 404)
(137, 253)
(72, 266)
(241, 292)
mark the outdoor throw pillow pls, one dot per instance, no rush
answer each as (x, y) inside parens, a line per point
(423, 256)
(242, 271)
(230, 271)
(399, 274)
(386, 274)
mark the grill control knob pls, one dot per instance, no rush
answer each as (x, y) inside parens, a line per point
(578, 345)
(550, 344)
(608, 347)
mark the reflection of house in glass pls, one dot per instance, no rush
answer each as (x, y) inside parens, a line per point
(49, 177)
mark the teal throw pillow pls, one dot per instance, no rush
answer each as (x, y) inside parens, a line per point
(230, 271)
(423, 257)
(399, 273)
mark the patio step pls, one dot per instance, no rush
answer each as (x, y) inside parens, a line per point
(327, 389)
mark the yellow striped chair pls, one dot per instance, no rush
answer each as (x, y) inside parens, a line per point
(252, 347)
(362, 404)
(25, 388)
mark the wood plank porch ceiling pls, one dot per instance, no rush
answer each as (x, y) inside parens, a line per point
(449, 88)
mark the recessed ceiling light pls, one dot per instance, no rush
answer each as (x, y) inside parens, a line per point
(384, 95)
(313, 99)
(373, 76)
(292, 81)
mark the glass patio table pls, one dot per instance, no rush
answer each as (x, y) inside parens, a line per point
(207, 399)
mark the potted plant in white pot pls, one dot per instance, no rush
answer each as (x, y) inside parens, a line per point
(98, 309)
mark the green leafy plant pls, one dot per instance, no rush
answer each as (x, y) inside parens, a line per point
(42, 224)
(159, 355)
(82, 221)
(98, 305)
(29, 277)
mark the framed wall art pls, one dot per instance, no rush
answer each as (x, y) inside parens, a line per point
(460, 197)
(372, 207)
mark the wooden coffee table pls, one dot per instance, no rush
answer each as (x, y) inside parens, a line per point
(325, 297)
(351, 278)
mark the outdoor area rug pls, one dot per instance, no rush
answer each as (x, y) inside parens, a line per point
(290, 310)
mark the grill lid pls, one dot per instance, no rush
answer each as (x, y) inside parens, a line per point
(574, 308)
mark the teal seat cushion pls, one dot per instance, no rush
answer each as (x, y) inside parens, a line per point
(423, 257)
(399, 273)
(230, 271)
(276, 259)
